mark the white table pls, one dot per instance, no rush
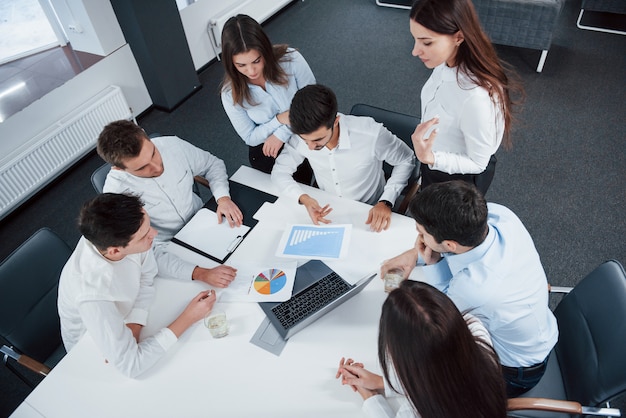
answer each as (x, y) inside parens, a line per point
(202, 376)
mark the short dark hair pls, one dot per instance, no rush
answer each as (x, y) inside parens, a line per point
(110, 219)
(312, 107)
(119, 141)
(442, 368)
(453, 210)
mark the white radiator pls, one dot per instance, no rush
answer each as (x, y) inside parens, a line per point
(259, 10)
(48, 154)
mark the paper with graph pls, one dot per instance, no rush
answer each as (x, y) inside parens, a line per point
(318, 242)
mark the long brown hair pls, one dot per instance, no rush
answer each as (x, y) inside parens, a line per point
(476, 57)
(444, 371)
(241, 34)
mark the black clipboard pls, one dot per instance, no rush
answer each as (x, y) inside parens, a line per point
(249, 200)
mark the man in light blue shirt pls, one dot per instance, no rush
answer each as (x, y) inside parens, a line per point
(486, 262)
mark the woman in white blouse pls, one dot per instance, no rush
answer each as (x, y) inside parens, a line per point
(436, 361)
(259, 82)
(466, 103)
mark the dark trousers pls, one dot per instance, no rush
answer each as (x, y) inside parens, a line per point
(522, 379)
(482, 181)
(304, 173)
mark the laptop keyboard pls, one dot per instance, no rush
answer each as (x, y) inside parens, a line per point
(310, 300)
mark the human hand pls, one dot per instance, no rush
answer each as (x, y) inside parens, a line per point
(197, 309)
(219, 276)
(379, 217)
(227, 208)
(359, 379)
(272, 146)
(428, 254)
(423, 146)
(316, 212)
(405, 261)
(136, 330)
(283, 117)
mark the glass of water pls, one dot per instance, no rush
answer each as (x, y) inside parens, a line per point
(393, 278)
(217, 323)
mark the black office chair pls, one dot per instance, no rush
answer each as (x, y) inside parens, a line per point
(29, 320)
(402, 126)
(588, 364)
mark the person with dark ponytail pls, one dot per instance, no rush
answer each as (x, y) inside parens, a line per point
(260, 79)
(438, 362)
(467, 102)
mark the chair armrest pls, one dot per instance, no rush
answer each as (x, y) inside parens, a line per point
(201, 180)
(543, 404)
(409, 191)
(559, 289)
(25, 361)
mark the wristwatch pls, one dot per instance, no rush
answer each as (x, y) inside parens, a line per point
(387, 203)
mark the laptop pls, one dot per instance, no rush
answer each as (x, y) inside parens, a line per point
(317, 290)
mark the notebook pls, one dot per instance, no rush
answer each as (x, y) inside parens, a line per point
(317, 290)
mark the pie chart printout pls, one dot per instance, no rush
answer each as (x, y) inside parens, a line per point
(270, 281)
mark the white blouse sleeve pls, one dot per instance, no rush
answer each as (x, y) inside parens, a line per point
(480, 124)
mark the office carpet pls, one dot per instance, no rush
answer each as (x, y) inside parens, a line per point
(564, 176)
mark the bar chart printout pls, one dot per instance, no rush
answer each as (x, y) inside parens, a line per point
(315, 241)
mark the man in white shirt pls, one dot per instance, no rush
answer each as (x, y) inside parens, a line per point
(106, 286)
(346, 154)
(161, 171)
(486, 262)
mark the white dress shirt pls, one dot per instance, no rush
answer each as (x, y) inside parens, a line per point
(470, 125)
(354, 168)
(502, 282)
(169, 199)
(100, 296)
(256, 121)
(377, 406)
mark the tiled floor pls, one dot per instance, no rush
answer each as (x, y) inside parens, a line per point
(25, 80)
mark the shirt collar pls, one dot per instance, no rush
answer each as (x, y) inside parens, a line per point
(344, 135)
(458, 262)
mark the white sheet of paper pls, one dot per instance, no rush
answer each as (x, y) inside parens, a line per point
(204, 233)
(317, 242)
(259, 283)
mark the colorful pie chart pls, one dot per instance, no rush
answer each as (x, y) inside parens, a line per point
(270, 281)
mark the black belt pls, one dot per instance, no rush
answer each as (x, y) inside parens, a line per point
(529, 371)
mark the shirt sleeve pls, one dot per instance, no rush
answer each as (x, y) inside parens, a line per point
(377, 407)
(251, 133)
(479, 125)
(207, 165)
(141, 307)
(286, 164)
(116, 342)
(171, 265)
(396, 153)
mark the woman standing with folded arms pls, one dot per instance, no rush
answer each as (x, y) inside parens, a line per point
(466, 103)
(259, 82)
(438, 362)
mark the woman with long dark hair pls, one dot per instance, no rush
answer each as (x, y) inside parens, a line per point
(467, 101)
(259, 82)
(438, 361)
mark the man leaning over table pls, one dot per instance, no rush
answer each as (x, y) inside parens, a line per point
(486, 262)
(346, 153)
(161, 171)
(106, 287)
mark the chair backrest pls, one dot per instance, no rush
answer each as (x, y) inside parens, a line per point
(29, 280)
(99, 176)
(400, 124)
(592, 336)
